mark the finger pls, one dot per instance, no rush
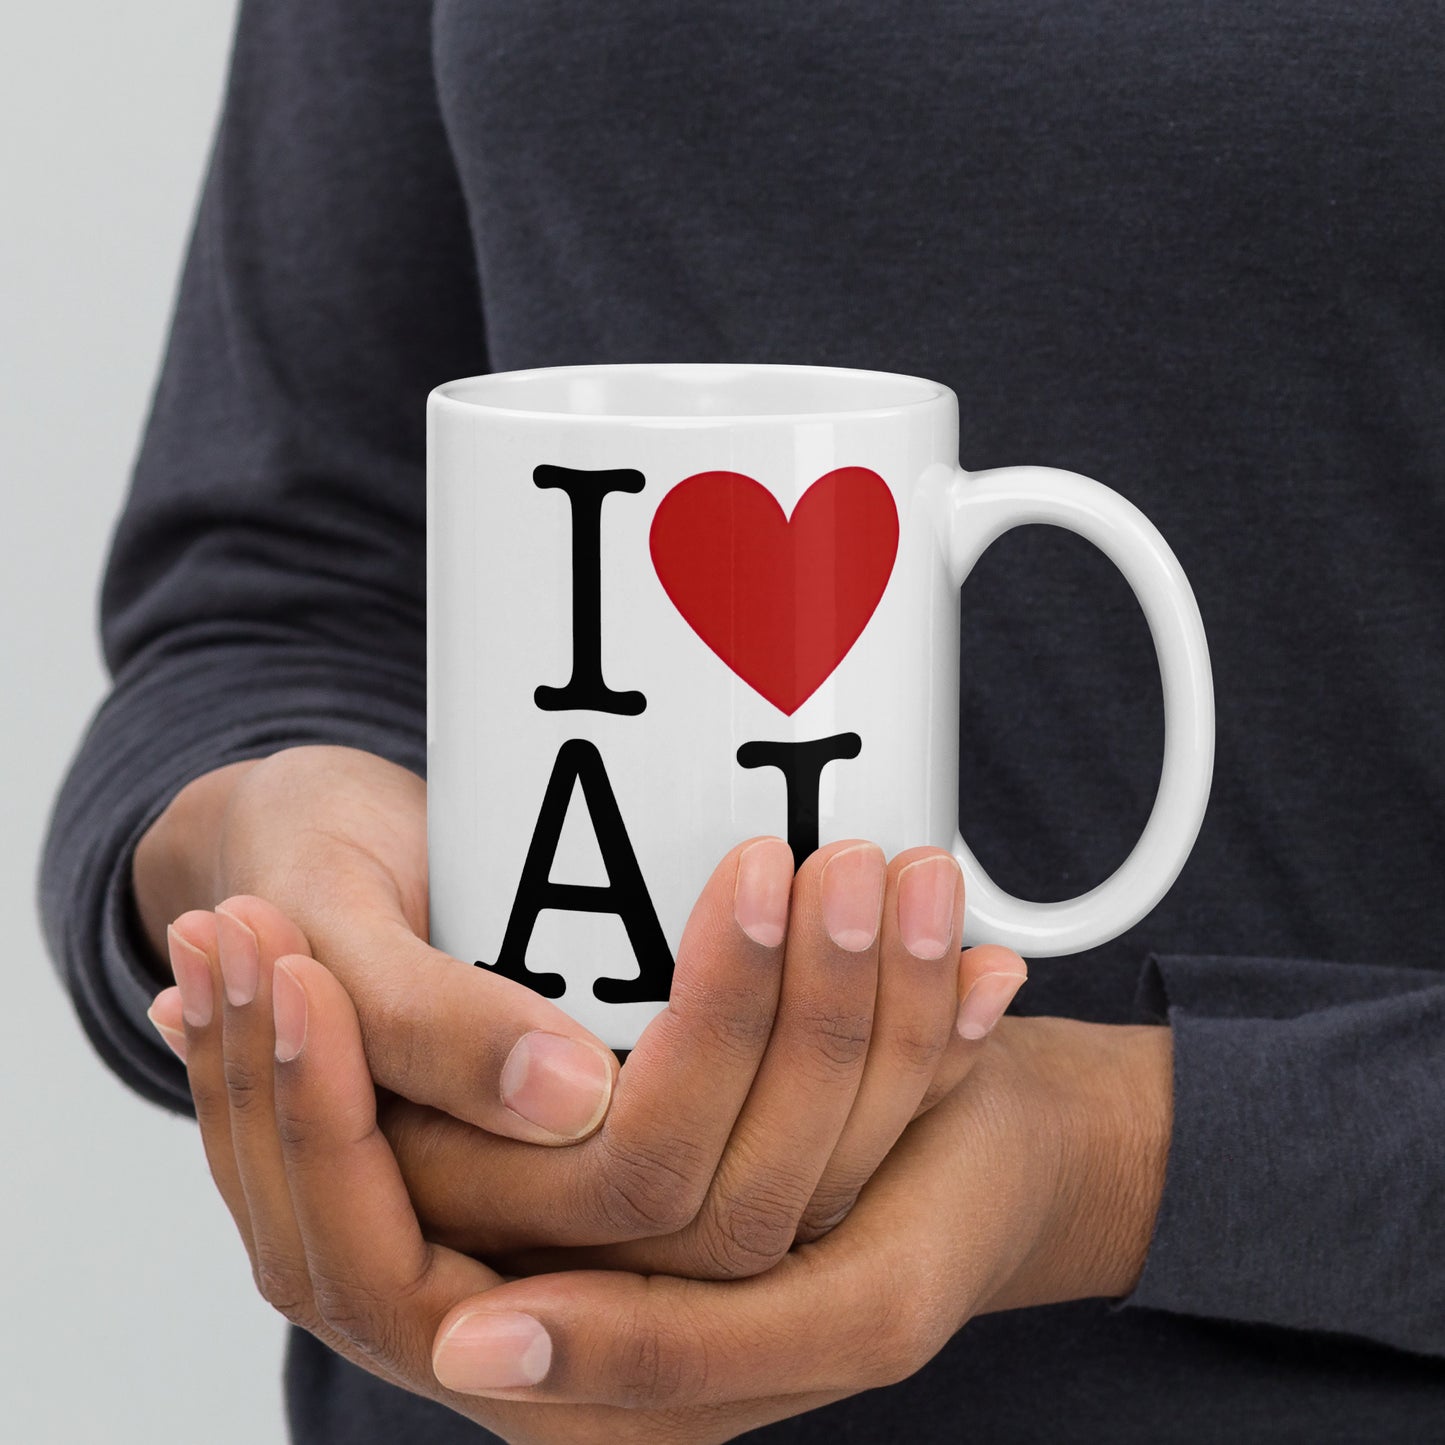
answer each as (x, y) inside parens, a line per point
(258, 1202)
(170, 1023)
(677, 1100)
(806, 1085)
(250, 935)
(465, 1040)
(989, 977)
(867, 1306)
(604, 1337)
(913, 1021)
(192, 946)
(377, 1285)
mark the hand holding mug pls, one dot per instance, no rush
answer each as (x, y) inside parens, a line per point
(335, 840)
(1036, 1183)
(794, 1050)
(811, 1019)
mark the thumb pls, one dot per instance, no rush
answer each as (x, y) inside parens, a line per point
(481, 1047)
(656, 1342)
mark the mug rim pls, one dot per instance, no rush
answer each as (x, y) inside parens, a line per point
(463, 392)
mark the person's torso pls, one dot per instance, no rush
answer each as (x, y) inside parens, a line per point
(1193, 251)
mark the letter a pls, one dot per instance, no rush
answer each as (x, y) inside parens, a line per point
(579, 763)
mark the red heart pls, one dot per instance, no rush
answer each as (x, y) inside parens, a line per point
(780, 601)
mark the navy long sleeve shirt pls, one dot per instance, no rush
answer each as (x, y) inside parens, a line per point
(1194, 251)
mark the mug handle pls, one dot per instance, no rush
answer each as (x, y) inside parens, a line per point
(979, 508)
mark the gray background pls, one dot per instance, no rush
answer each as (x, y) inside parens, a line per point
(129, 1312)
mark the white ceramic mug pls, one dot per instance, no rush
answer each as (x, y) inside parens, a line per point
(674, 606)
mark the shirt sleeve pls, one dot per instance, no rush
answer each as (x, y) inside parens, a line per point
(1306, 1178)
(266, 581)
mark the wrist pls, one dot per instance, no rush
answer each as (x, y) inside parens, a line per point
(176, 866)
(1103, 1094)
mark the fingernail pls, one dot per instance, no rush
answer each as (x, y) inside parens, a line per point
(560, 1084)
(240, 958)
(984, 1004)
(288, 1008)
(193, 976)
(927, 903)
(852, 888)
(760, 898)
(492, 1352)
(165, 1002)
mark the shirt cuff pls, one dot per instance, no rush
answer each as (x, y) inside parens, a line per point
(1306, 1171)
(155, 734)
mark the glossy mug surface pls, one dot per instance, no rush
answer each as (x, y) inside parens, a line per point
(673, 606)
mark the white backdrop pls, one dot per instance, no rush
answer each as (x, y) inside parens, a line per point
(129, 1313)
